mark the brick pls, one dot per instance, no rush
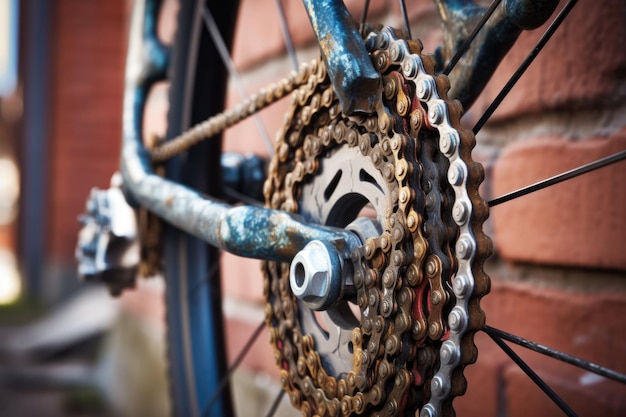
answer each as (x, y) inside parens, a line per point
(245, 137)
(87, 70)
(416, 11)
(582, 324)
(586, 394)
(256, 18)
(588, 325)
(260, 358)
(425, 23)
(242, 278)
(300, 26)
(483, 381)
(578, 223)
(581, 65)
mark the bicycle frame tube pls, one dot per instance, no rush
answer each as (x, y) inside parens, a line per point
(251, 231)
(505, 21)
(248, 231)
(356, 83)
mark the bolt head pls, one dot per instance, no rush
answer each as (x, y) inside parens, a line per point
(315, 275)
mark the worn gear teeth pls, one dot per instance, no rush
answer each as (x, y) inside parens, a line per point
(425, 265)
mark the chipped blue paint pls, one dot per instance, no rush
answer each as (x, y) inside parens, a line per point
(355, 81)
(248, 231)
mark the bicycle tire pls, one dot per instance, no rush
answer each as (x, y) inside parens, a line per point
(194, 318)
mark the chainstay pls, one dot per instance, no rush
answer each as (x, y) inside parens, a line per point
(402, 338)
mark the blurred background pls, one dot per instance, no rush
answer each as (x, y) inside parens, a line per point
(68, 348)
(61, 74)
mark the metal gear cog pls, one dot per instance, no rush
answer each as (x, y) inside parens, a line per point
(398, 340)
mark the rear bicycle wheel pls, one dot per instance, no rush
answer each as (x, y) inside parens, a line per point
(195, 335)
(199, 307)
(191, 310)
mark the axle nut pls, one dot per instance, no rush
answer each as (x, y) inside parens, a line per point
(315, 275)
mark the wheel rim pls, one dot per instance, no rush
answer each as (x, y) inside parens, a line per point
(193, 294)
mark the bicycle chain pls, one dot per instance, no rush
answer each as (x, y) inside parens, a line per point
(222, 121)
(434, 211)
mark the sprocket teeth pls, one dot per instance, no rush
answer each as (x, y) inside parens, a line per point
(431, 241)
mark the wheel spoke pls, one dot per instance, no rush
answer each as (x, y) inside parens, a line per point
(619, 156)
(291, 50)
(275, 403)
(222, 49)
(239, 196)
(240, 357)
(525, 64)
(212, 279)
(405, 17)
(564, 357)
(558, 401)
(366, 7)
(466, 44)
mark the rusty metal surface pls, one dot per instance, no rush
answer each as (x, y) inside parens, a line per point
(420, 281)
(246, 231)
(425, 263)
(354, 79)
(459, 17)
(218, 123)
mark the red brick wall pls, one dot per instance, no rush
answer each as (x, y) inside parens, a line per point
(88, 49)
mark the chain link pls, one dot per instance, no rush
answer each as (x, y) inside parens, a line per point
(405, 279)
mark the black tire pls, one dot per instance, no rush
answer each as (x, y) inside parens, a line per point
(197, 359)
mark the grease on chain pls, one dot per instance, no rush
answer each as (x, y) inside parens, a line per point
(407, 279)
